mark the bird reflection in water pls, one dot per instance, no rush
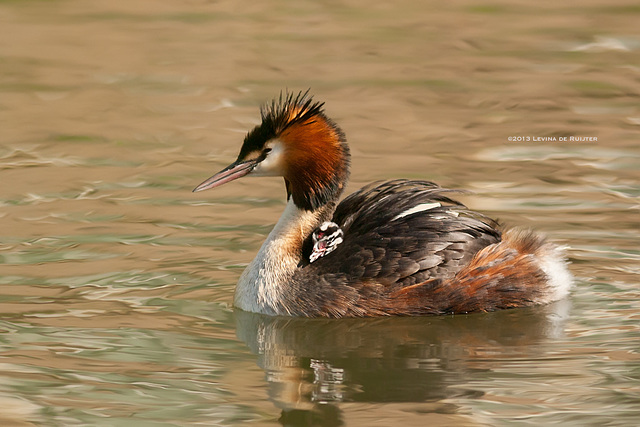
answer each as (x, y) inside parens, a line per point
(318, 370)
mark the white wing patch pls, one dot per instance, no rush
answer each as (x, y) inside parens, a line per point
(419, 208)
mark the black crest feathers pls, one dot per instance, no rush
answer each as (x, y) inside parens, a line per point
(290, 109)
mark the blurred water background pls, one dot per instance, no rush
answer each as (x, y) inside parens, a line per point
(116, 281)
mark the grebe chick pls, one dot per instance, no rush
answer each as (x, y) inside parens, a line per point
(325, 239)
(407, 247)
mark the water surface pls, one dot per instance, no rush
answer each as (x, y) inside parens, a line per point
(116, 281)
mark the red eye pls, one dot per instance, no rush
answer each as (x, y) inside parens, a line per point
(320, 235)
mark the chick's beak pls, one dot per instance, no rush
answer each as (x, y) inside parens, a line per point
(235, 170)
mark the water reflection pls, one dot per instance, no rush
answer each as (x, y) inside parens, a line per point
(115, 279)
(314, 366)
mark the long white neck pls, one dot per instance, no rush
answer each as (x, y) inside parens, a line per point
(263, 285)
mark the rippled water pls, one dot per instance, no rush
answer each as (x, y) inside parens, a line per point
(116, 281)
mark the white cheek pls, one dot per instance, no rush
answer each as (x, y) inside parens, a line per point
(273, 165)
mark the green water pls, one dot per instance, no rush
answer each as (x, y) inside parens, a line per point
(116, 281)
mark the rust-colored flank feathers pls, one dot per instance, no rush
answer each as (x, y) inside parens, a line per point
(399, 247)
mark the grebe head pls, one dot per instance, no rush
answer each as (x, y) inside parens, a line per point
(298, 142)
(326, 239)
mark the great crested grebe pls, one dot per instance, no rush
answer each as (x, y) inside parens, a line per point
(396, 248)
(325, 239)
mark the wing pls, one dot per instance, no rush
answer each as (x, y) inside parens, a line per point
(400, 233)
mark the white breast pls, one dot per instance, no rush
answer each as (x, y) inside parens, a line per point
(263, 286)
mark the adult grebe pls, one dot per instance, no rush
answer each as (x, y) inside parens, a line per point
(406, 247)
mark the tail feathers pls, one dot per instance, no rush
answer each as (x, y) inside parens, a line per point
(548, 257)
(554, 264)
(521, 270)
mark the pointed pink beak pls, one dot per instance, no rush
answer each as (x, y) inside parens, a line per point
(235, 170)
